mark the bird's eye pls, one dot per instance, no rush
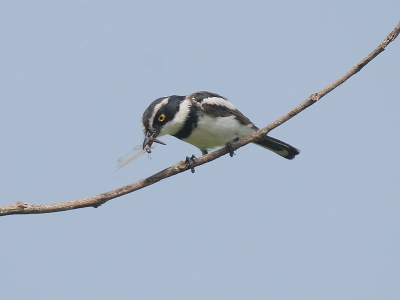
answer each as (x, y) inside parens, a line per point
(161, 118)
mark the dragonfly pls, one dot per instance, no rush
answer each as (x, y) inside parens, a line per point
(137, 152)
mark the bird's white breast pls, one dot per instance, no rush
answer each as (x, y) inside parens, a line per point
(212, 132)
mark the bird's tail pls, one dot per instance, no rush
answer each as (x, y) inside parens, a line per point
(279, 147)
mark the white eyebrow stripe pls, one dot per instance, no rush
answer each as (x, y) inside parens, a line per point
(156, 108)
(219, 101)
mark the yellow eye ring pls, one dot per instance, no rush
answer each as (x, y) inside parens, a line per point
(161, 118)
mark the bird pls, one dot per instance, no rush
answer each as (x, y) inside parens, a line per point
(205, 120)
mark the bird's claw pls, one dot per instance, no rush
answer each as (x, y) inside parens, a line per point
(191, 161)
(230, 149)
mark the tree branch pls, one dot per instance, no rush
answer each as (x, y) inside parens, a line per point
(95, 201)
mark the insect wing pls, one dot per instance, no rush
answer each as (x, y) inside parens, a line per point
(136, 152)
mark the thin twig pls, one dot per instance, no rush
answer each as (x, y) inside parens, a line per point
(95, 201)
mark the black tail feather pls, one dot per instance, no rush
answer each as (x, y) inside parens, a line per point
(281, 148)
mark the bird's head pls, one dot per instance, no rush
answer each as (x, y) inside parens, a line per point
(164, 115)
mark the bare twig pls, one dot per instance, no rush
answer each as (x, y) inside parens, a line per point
(95, 201)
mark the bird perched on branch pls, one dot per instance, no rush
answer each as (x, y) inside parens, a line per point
(205, 120)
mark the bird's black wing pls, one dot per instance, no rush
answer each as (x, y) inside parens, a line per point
(223, 111)
(217, 110)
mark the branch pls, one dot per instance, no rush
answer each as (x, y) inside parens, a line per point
(96, 201)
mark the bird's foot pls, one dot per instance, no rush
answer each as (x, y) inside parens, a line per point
(230, 149)
(191, 162)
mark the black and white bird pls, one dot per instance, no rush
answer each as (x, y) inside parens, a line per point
(205, 120)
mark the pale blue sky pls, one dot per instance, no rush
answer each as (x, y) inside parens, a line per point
(76, 77)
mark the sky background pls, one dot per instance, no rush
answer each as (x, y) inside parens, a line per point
(75, 79)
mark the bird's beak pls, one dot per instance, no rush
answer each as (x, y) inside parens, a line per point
(149, 139)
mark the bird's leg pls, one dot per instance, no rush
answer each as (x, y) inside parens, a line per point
(191, 161)
(229, 147)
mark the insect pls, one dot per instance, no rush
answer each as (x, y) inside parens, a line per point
(136, 152)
